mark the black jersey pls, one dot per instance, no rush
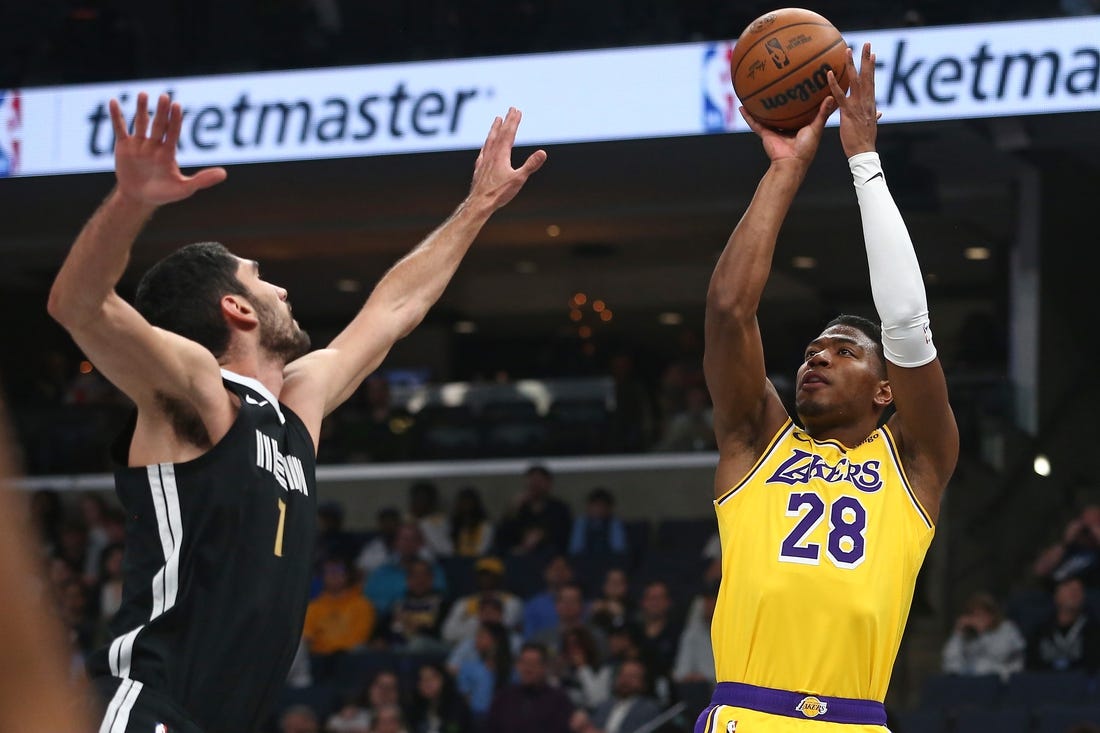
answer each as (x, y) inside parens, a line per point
(216, 570)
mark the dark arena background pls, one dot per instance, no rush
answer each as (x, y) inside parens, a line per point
(571, 337)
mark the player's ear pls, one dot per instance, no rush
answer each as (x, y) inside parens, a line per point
(885, 394)
(239, 312)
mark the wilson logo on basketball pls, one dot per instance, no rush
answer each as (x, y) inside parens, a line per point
(800, 91)
(811, 707)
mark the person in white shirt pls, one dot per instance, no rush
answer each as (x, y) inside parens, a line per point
(434, 524)
(630, 708)
(984, 641)
(463, 619)
(695, 655)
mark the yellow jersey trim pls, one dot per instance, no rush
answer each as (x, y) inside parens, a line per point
(787, 425)
(896, 457)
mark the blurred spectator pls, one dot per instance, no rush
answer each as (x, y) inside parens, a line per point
(632, 422)
(630, 708)
(353, 717)
(464, 615)
(332, 540)
(388, 719)
(358, 714)
(298, 719)
(712, 558)
(539, 611)
(984, 641)
(416, 617)
(695, 655)
(46, 513)
(380, 550)
(660, 633)
(371, 428)
(583, 675)
(93, 512)
(73, 546)
(387, 584)
(690, 429)
(599, 531)
(434, 523)
(471, 530)
(614, 607)
(1071, 640)
(490, 611)
(437, 707)
(110, 584)
(74, 615)
(338, 620)
(1077, 555)
(384, 690)
(570, 610)
(300, 674)
(479, 679)
(540, 522)
(531, 704)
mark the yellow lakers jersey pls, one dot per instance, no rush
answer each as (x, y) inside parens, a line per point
(821, 545)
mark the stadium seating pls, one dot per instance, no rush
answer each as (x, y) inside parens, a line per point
(949, 691)
(993, 720)
(1062, 718)
(1039, 688)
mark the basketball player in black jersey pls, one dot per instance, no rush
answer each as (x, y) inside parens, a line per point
(219, 484)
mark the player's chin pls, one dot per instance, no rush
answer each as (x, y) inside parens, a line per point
(809, 406)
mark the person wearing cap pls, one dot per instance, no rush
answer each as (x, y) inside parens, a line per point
(462, 621)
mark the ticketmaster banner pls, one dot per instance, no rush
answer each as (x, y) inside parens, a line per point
(992, 70)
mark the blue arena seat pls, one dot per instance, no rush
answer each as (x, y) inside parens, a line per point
(949, 691)
(1029, 609)
(992, 720)
(695, 695)
(931, 720)
(460, 575)
(322, 699)
(354, 670)
(1063, 718)
(687, 536)
(1039, 688)
(523, 574)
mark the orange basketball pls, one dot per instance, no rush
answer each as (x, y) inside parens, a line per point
(779, 65)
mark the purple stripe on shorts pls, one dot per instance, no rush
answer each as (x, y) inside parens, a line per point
(794, 705)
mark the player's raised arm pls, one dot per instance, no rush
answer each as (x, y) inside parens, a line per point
(746, 407)
(141, 360)
(318, 382)
(924, 423)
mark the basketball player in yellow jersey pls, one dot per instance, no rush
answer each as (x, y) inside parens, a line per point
(823, 526)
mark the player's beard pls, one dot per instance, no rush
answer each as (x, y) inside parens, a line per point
(280, 336)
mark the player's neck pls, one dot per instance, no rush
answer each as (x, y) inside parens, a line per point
(849, 435)
(258, 365)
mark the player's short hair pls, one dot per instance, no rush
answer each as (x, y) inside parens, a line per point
(538, 648)
(539, 469)
(866, 326)
(182, 293)
(601, 494)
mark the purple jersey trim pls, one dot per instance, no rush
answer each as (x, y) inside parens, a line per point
(796, 705)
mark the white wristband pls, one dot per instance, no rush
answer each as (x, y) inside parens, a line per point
(897, 285)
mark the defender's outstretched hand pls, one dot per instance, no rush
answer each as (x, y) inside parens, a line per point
(145, 161)
(799, 145)
(495, 181)
(858, 113)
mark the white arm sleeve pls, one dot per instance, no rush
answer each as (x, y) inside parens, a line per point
(896, 281)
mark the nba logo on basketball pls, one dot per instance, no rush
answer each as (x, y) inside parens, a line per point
(11, 131)
(719, 101)
(811, 707)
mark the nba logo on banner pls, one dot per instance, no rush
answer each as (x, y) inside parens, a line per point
(11, 131)
(719, 101)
